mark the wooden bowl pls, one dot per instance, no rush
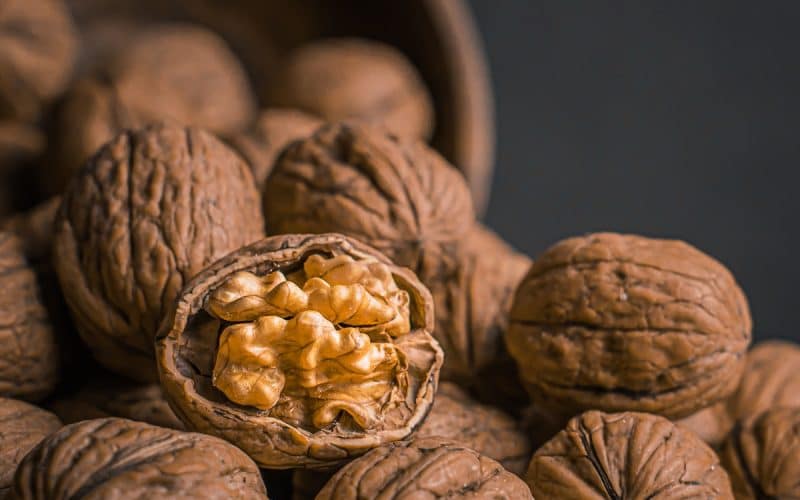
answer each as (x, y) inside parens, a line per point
(438, 36)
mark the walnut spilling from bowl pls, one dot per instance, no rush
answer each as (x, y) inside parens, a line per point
(314, 344)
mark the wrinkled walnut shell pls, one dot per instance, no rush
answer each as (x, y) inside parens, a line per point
(152, 208)
(424, 468)
(621, 322)
(187, 345)
(22, 426)
(626, 455)
(118, 458)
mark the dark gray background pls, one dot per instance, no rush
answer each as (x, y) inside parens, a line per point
(667, 119)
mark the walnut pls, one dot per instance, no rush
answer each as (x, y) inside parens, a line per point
(123, 459)
(626, 455)
(621, 322)
(180, 74)
(762, 455)
(38, 47)
(770, 379)
(151, 209)
(22, 426)
(301, 350)
(274, 129)
(20, 147)
(29, 362)
(345, 79)
(424, 468)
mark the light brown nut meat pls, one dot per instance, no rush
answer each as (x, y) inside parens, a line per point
(20, 146)
(151, 209)
(426, 469)
(762, 455)
(37, 50)
(123, 459)
(626, 455)
(22, 426)
(355, 383)
(29, 363)
(621, 322)
(343, 79)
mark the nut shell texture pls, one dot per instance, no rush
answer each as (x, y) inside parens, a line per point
(150, 210)
(118, 458)
(620, 322)
(426, 469)
(187, 347)
(626, 455)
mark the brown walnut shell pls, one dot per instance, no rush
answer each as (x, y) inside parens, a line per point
(37, 49)
(353, 79)
(424, 468)
(762, 456)
(123, 459)
(22, 426)
(621, 322)
(626, 455)
(151, 209)
(187, 347)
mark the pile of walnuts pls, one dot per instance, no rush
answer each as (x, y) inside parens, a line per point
(211, 297)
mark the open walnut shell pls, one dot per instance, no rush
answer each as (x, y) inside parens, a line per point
(320, 414)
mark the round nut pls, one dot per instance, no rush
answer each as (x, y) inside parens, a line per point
(123, 459)
(343, 79)
(38, 47)
(626, 455)
(22, 426)
(237, 333)
(152, 208)
(424, 468)
(762, 455)
(621, 322)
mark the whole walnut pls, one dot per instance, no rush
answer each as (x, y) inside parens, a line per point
(770, 380)
(302, 350)
(622, 322)
(38, 47)
(152, 208)
(22, 426)
(626, 455)
(274, 129)
(29, 362)
(762, 455)
(180, 74)
(123, 459)
(20, 147)
(424, 468)
(354, 79)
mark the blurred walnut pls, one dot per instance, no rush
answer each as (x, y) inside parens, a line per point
(342, 79)
(622, 322)
(34, 228)
(22, 426)
(29, 362)
(123, 459)
(762, 456)
(20, 146)
(323, 343)
(151, 209)
(626, 455)
(37, 50)
(272, 132)
(424, 468)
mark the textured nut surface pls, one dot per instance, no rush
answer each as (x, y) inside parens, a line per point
(20, 147)
(22, 426)
(424, 468)
(187, 348)
(118, 458)
(340, 79)
(151, 210)
(37, 50)
(762, 456)
(626, 455)
(29, 361)
(621, 322)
